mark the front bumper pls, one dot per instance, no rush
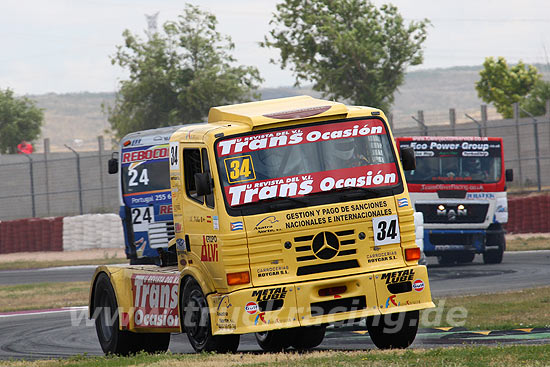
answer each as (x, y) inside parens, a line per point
(300, 304)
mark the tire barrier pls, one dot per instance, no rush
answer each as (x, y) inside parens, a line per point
(61, 233)
(92, 231)
(34, 234)
(528, 214)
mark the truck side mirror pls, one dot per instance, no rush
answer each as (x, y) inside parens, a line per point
(407, 158)
(203, 183)
(113, 164)
(509, 173)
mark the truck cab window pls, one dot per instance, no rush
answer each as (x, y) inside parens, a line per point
(206, 168)
(192, 164)
(196, 161)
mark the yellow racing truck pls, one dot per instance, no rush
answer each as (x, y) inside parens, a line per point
(289, 215)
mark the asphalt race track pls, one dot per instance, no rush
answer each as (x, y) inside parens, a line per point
(68, 332)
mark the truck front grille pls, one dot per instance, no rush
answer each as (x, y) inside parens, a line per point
(453, 212)
(328, 248)
(160, 233)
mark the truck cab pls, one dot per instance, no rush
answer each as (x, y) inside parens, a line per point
(289, 215)
(459, 185)
(145, 198)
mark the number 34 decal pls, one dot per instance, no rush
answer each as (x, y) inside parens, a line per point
(386, 230)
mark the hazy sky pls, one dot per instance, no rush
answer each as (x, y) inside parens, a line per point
(64, 45)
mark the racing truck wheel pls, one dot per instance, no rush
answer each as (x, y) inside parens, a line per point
(466, 257)
(446, 259)
(308, 337)
(274, 340)
(396, 330)
(197, 326)
(111, 338)
(493, 256)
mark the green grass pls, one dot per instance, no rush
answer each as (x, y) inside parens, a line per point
(525, 356)
(43, 296)
(500, 311)
(519, 243)
(33, 264)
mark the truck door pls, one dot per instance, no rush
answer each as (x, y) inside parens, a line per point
(200, 216)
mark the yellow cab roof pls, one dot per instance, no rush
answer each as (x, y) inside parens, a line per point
(248, 116)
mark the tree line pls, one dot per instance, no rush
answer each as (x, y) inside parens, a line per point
(348, 50)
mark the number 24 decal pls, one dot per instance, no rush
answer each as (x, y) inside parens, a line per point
(386, 230)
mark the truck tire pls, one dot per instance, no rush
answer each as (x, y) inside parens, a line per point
(384, 334)
(493, 256)
(308, 337)
(196, 323)
(274, 340)
(466, 257)
(111, 338)
(446, 259)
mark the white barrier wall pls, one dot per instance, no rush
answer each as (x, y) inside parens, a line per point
(92, 231)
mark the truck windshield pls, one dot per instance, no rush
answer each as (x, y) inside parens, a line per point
(455, 161)
(307, 160)
(145, 169)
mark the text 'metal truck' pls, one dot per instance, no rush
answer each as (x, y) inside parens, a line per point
(459, 185)
(288, 215)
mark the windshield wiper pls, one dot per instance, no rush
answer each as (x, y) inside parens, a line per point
(284, 201)
(348, 194)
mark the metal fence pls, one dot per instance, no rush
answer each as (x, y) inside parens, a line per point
(526, 142)
(72, 183)
(56, 184)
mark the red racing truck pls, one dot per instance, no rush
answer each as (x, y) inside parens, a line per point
(459, 185)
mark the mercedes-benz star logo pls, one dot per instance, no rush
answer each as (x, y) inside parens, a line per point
(325, 245)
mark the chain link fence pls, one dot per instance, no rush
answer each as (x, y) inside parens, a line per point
(73, 183)
(526, 142)
(56, 184)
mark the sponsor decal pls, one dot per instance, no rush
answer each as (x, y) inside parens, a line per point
(237, 226)
(344, 213)
(260, 317)
(165, 209)
(266, 225)
(155, 300)
(132, 142)
(140, 244)
(377, 175)
(386, 230)
(239, 169)
(466, 145)
(251, 308)
(270, 294)
(154, 152)
(382, 256)
(197, 219)
(216, 222)
(418, 285)
(398, 276)
(178, 227)
(295, 136)
(224, 320)
(272, 271)
(392, 300)
(480, 195)
(402, 202)
(224, 304)
(209, 250)
(466, 187)
(180, 244)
